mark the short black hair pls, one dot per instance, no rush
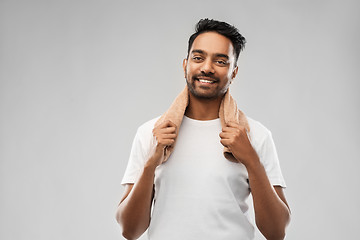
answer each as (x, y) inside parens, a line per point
(223, 28)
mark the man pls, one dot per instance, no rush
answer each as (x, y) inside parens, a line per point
(198, 193)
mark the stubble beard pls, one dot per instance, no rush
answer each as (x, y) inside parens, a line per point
(211, 96)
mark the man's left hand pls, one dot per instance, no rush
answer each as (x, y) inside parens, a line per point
(234, 137)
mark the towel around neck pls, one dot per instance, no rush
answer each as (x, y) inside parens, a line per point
(228, 112)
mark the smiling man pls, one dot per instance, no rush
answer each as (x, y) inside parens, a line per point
(210, 53)
(192, 190)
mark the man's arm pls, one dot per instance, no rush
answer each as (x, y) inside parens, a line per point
(133, 212)
(272, 213)
(134, 209)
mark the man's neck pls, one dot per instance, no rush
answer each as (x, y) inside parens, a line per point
(203, 109)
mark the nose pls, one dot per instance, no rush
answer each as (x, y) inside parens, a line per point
(207, 67)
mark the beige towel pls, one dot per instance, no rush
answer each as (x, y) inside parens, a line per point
(228, 112)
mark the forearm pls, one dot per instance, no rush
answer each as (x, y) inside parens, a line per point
(271, 213)
(134, 211)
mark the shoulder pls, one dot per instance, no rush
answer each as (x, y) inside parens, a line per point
(262, 141)
(143, 139)
(258, 132)
(147, 127)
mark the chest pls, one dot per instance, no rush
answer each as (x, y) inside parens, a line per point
(198, 165)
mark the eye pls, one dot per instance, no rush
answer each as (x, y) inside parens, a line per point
(197, 58)
(221, 62)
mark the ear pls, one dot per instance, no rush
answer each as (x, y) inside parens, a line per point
(184, 66)
(234, 73)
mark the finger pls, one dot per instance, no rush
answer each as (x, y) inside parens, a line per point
(226, 135)
(166, 130)
(168, 136)
(232, 124)
(165, 142)
(225, 142)
(229, 129)
(163, 129)
(169, 123)
(164, 124)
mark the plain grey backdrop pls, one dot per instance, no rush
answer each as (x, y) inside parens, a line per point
(78, 77)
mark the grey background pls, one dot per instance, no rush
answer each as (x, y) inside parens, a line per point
(78, 77)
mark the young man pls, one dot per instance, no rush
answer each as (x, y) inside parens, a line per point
(197, 193)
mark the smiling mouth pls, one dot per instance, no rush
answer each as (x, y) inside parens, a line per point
(205, 80)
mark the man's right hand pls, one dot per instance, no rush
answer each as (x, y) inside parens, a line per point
(134, 210)
(165, 135)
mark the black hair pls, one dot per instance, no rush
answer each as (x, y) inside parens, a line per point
(223, 28)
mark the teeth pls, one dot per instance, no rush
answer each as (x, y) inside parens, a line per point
(205, 81)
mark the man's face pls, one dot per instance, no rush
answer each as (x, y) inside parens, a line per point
(209, 68)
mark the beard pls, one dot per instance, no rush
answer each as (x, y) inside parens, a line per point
(210, 95)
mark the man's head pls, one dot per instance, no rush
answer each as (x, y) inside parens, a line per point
(210, 65)
(223, 28)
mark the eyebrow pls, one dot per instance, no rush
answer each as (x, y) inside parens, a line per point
(216, 54)
(222, 55)
(198, 51)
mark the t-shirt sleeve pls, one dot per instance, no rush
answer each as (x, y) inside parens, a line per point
(270, 161)
(136, 161)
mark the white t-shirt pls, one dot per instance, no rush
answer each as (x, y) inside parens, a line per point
(199, 194)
